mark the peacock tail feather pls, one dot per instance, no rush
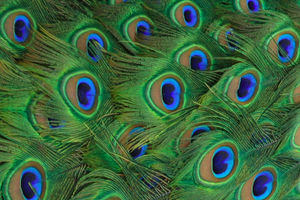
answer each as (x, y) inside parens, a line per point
(140, 99)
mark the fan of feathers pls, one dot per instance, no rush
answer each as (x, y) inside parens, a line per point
(149, 99)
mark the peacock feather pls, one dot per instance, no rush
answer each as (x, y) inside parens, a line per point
(140, 99)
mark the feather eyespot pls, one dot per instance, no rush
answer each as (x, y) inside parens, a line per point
(250, 6)
(139, 151)
(28, 182)
(82, 92)
(191, 135)
(283, 46)
(219, 164)
(54, 123)
(261, 186)
(167, 93)
(91, 42)
(243, 89)
(138, 28)
(39, 117)
(225, 38)
(18, 26)
(287, 45)
(186, 14)
(196, 58)
(230, 43)
(48, 122)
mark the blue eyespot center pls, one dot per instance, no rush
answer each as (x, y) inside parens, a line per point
(86, 93)
(21, 28)
(198, 130)
(140, 151)
(287, 47)
(232, 44)
(31, 183)
(253, 5)
(198, 60)
(190, 16)
(223, 162)
(248, 84)
(94, 41)
(143, 28)
(171, 91)
(262, 185)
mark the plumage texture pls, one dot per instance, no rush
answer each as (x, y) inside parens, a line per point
(140, 99)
